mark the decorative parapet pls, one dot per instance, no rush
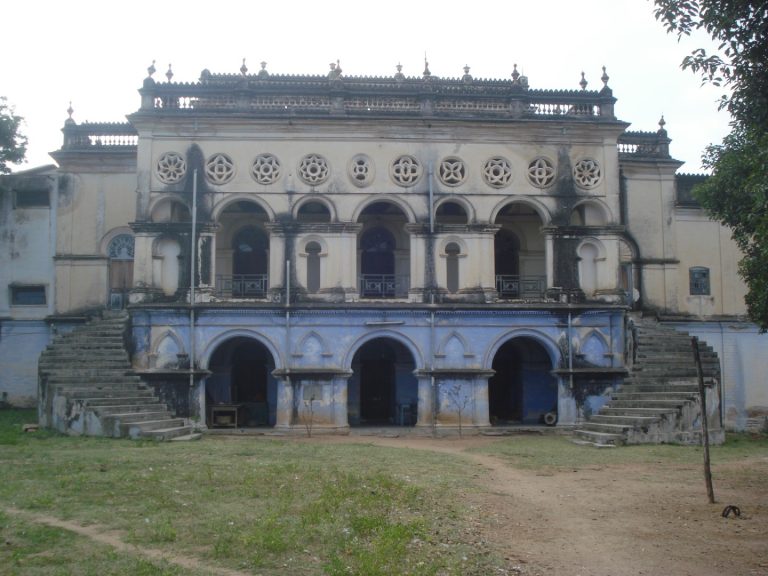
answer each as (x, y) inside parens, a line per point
(265, 94)
(86, 136)
(645, 145)
(684, 184)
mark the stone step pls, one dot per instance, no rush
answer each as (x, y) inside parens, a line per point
(147, 398)
(141, 427)
(110, 394)
(133, 408)
(631, 420)
(606, 428)
(609, 410)
(670, 395)
(174, 433)
(658, 388)
(646, 403)
(131, 417)
(600, 438)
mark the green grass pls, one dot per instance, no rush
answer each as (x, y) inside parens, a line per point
(266, 506)
(28, 548)
(557, 453)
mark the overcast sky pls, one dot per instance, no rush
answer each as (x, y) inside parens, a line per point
(95, 53)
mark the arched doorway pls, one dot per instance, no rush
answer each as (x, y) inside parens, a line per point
(383, 390)
(241, 377)
(519, 258)
(250, 261)
(120, 252)
(383, 252)
(523, 390)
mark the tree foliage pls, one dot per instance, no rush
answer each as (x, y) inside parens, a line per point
(737, 192)
(13, 144)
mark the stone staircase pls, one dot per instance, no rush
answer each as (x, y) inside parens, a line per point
(87, 387)
(659, 401)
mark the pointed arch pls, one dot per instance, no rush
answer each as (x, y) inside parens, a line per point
(165, 349)
(444, 348)
(303, 347)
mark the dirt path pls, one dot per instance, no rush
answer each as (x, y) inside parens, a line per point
(611, 521)
(624, 520)
(114, 538)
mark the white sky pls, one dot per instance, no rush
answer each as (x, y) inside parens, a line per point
(95, 53)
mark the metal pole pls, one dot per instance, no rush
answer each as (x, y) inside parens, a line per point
(192, 272)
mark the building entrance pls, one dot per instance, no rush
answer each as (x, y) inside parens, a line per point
(383, 390)
(241, 378)
(523, 391)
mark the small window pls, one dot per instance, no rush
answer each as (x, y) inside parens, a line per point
(452, 252)
(313, 267)
(31, 198)
(699, 281)
(28, 295)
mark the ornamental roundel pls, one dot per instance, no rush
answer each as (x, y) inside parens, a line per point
(452, 171)
(171, 168)
(587, 173)
(266, 169)
(541, 172)
(406, 171)
(313, 169)
(219, 169)
(361, 170)
(497, 172)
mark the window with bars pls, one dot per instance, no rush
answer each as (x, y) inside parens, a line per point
(698, 278)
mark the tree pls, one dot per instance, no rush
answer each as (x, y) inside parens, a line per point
(13, 144)
(737, 192)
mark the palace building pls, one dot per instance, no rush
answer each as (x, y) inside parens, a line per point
(373, 251)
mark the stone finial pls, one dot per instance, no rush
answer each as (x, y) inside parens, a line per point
(427, 73)
(399, 76)
(515, 74)
(583, 82)
(467, 77)
(243, 68)
(662, 123)
(335, 72)
(151, 69)
(263, 72)
(605, 78)
(169, 74)
(70, 111)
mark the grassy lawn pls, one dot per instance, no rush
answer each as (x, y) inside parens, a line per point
(270, 506)
(557, 453)
(260, 505)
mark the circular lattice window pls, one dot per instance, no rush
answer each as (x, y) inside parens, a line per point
(171, 168)
(587, 173)
(406, 171)
(361, 170)
(452, 171)
(266, 169)
(219, 169)
(541, 172)
(497, 172)
(313, 169)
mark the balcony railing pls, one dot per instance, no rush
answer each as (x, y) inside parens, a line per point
(383, 286)
(242, 286)
(520, 287)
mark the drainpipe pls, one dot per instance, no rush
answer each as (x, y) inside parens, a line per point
(432, 382)
(295, 407)
(570, 353)
(431, 244)
(192, 272)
